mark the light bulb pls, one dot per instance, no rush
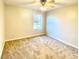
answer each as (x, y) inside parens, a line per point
(43, 8)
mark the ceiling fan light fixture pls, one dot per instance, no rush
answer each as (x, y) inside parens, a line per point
(43, 2)
(43, 8)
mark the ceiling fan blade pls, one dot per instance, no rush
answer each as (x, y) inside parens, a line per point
(59, 3)
(51, 1)
(54, 4)
(48, 5)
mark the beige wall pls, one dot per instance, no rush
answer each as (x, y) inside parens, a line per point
(1, 26)
(66, 24)
(19, 22)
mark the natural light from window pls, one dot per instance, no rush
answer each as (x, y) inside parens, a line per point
(37, 22)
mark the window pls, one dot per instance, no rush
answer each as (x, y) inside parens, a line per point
(37, 22)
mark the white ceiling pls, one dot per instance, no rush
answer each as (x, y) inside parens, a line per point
(28, 3)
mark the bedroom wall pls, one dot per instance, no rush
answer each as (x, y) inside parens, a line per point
(19, 22)
(64, 24)
(1, 26)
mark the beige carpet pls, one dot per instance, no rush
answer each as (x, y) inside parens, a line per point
(42, 47)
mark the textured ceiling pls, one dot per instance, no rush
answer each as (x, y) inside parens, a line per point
(28, 3)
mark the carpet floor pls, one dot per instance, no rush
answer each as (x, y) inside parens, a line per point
(42, 47)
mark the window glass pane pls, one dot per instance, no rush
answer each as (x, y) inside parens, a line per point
(37, 22)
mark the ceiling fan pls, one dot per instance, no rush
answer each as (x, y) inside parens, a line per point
(45, 3)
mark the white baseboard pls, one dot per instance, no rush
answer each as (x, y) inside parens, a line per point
(64, 42)
(24, 37)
